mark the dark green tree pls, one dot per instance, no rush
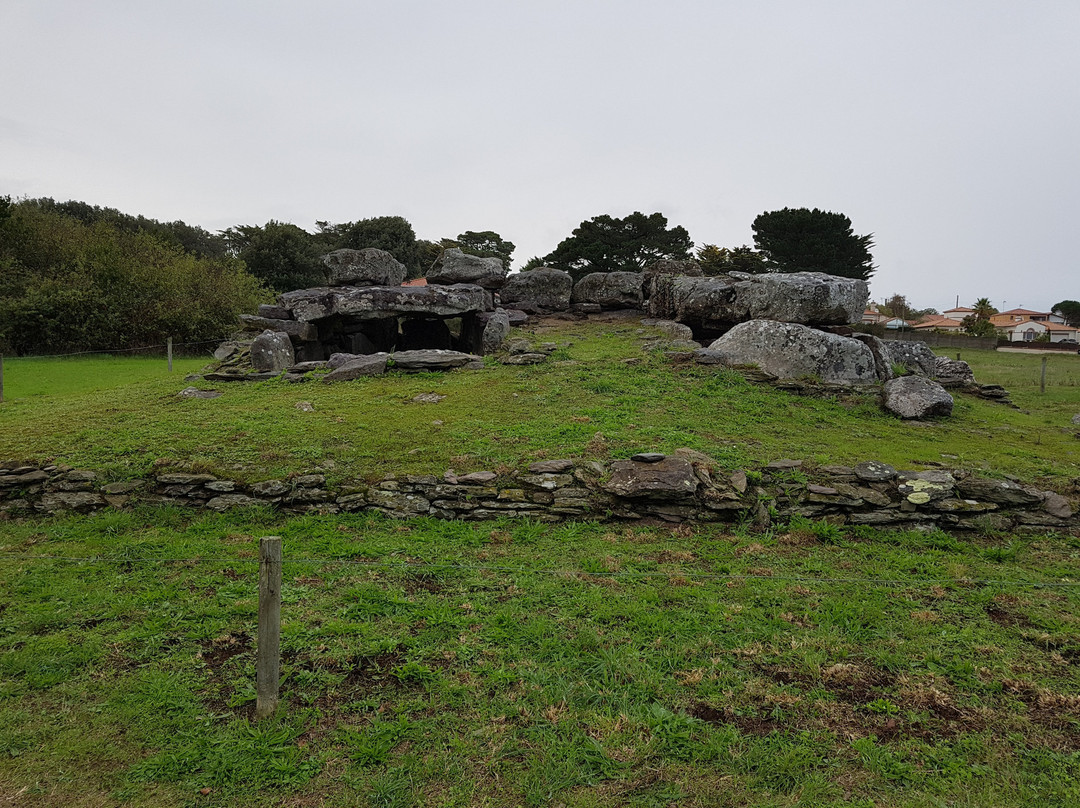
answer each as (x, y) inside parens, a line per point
(802, 240)
(719, 260)
(391, 233)
(1070, 310)
(486, 244)
(281, 255)
(608, 244)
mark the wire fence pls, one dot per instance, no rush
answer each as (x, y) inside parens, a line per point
(108, 351)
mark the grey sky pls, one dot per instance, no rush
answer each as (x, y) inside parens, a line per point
(951, 130)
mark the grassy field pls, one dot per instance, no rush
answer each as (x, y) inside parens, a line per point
(511, 663)
(446, 664)
(600, 396)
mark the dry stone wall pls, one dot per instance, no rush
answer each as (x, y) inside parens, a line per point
(684, 486)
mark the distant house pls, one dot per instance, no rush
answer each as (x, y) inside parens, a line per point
(959, 313)
(1007, 318)
(871, 315)
(1028, 330)
(897, 323)
(937, 322)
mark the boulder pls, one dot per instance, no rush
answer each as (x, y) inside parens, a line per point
(671, 328)
(298, 332)
(431, 360)
(610, 290)
(538, 289)
(369, 365)
(366, 267)
(916, 357)
(382, 302)
(671, 478)
(718, 303)
(496, 329)
(274, 312)
(916, 397)
(456, 266)
(272, 351)
(668, 268)
(791, 351)
(883, 361)
(1076, 419)
(953, 372)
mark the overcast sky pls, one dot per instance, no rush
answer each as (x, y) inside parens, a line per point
(950, 130)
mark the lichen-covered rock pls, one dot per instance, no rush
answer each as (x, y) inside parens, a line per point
(609, 290)
(227, 502)
(916, 357)
(1002, 492)
(496, 328)
(791, 351)
(543, 288)
(431, 360)
(369, 365)
(298, 332)
(671, 328)
(456, 266)
(272, 351)
(382, 302)
(668, 268)
(953, 372)
(883, 360)
(366, 267)
(718, 303)
(915, 397)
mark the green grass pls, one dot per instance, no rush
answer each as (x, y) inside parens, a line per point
(510, 663)
(588, 401)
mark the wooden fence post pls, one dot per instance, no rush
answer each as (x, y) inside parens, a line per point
(169, 344)
(1042, 377)
(1, 378)
(268, 654)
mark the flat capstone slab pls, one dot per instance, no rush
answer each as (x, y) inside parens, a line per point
(648, 457)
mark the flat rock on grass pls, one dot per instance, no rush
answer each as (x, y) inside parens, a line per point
(369, 365)
(914, 397)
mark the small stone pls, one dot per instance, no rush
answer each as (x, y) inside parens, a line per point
(1057, 505)
(310, 480)
(784, 465)
(185, 479)
(436, 423)
(428, 398)
(822, 489)
(304, 406)
(195, 392)
(551, 466)
(221, 486)
(874, 472)
(1076, 419)
(739, 481)
(648, 457)
(125, 487)
(228, 501)
(477, 477)
(525, 359)
(271, 488)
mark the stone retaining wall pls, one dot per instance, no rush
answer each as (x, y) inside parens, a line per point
(684, 486)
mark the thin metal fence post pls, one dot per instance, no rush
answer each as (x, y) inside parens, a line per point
(1, 378)
(169, 345)
(1042, 377)
(268, 653)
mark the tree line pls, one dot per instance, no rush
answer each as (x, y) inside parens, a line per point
(75, 276)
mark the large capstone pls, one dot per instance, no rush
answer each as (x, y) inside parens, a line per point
(717, 303)
(366, 267)
(538, 289)
(381, 302)
(916, 397)
(792, 351)
(455, 266)
(272, 351)
(671, 478)
(609, 290)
